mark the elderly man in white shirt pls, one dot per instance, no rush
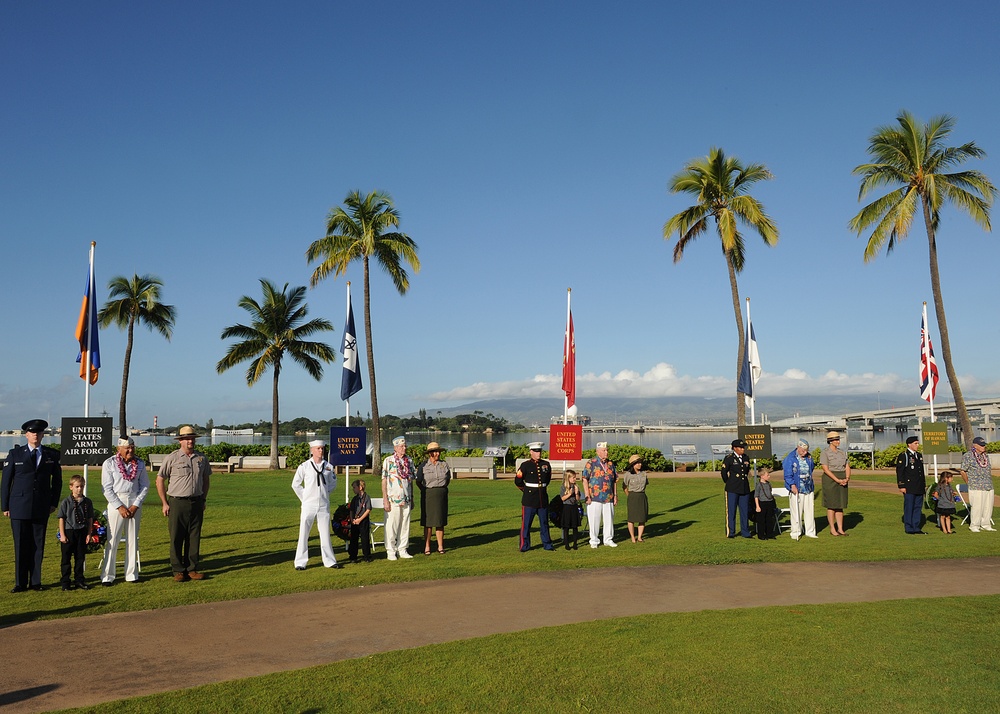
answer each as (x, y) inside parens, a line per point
(126, 484)
(313, 482)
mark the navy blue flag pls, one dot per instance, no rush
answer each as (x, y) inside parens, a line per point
(750, 372)
(350, 381)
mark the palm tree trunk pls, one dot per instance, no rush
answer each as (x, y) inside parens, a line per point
(274, 419)
(376, 431)
(741, 405)
(122, 422)
(956, 390)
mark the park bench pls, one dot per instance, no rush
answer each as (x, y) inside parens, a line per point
(156, 461)
(560, 467)
(258, 462)
(472, 464)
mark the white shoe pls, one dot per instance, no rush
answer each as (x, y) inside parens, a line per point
(611, 544)
(404, 554)
(593, 546)
(811, 536)
(795, 537)
(974, 530)
(390, 556)
(989, 528)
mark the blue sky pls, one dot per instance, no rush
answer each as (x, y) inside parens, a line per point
(528, 148)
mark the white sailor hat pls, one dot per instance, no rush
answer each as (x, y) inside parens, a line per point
(535, 446)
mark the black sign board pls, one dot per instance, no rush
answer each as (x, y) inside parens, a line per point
(85, 441)
(758, 439)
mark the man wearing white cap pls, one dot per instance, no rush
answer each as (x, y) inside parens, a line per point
(398, 473)
(532, 477)
(313, 481)
(125, 483)
(601, 488)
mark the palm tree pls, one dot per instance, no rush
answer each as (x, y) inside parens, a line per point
(720, 185)
(130, 301)
(362, 232)
(276, 327)
(913, 157)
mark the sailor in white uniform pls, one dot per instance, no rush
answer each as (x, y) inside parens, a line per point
(313, 482)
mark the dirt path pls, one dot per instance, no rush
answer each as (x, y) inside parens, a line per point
(198, 644)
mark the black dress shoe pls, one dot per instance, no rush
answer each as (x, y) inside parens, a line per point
(38, 588)
(300, 567)
(18, 589)
(108, 584)
(83, 586)
(66, 587)
(336, 566)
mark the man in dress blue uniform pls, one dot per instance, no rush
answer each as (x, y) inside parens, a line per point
(29, 493)
(911, 483)
(736, 475)
(532, 478)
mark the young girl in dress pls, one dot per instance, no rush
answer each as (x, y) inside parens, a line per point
(570, 495)
(945, 502)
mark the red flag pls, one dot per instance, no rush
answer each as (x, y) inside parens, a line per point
(569, 364)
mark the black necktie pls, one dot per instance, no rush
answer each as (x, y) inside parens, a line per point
(34, 458)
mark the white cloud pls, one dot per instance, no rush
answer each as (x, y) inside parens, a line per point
(662, 380)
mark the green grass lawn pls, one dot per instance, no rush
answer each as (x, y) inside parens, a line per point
(906, 655)
(251, 525)
(934, 655)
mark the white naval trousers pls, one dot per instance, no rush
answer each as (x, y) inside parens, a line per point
(320, 513)
(118, 527)
(397, 528)
(596, 513)
(802, 512)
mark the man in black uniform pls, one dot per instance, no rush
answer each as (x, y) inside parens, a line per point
(29, 492)
(736, 475)
(910, 480)
(532, 478)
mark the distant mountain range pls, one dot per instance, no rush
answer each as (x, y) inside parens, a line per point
(675, 410)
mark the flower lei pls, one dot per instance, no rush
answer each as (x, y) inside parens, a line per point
(982, 459)
(128, 469)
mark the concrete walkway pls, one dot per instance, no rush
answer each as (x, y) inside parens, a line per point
(165, 650)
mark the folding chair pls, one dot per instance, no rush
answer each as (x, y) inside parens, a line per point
(376, 525)
(780, 492)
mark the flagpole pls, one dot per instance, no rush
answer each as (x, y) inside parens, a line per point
(347, 407)
(91, 307)
(925, 349)
(753, 397)
(566, 348)
(91, 303)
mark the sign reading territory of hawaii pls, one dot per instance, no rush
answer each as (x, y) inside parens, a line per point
(934, 438)
(565, 442)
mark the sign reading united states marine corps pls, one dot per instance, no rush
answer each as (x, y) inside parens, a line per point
(347, 445)
(565, 442)
(85, 441)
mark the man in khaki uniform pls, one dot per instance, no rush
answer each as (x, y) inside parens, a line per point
(183, 483)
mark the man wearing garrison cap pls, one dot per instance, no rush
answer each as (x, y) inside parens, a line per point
(313, 482)
(29, 492)
(125, 484)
